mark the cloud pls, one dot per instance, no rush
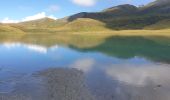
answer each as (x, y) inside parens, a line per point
(38, 16)
(86, 3)
(32, 47)
(53, 8)
(37, 48)
(7, 20)
(140, 75)
(84, 65)
(35, 17)
(28, 18)
(52, 17)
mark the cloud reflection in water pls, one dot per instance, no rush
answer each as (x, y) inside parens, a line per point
(32, 47)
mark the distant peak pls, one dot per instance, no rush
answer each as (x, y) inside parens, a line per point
(159, 2)
(126, 5)
(121, 7)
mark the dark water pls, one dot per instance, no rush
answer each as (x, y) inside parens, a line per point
(119, 68)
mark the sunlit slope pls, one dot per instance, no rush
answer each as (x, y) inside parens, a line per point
(41, 23)
(10, 29)
(84, 24)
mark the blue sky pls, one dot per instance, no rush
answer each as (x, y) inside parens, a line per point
(17, 10)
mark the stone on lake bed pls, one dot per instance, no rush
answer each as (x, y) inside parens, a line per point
(66, 84)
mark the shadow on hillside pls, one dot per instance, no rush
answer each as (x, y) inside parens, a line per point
(119, 21)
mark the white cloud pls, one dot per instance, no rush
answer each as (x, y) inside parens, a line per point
(7, 20)
(32, 47)
(52, 17)
(84, 65)
(140, 74)
(35, 17)
(85, 2)
(11, 45)
(37, 48)
(28, 18)
(53, 8)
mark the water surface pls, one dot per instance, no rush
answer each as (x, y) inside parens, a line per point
(117, 68)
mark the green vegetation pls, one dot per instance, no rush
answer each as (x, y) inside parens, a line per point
(84, 24)
(154, 16)
(122, 20)
(129, 17)
(163, 24)
(7, 29)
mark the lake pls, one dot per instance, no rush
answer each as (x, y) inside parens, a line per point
(113, 68)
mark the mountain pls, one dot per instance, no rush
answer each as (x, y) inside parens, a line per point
(113, 12)
(157, 7)
(163, 24)
(129, 16)
(40, 23)
(159, 3)
(127, 10)
(9, 29)
(84, 24)
(121, 17)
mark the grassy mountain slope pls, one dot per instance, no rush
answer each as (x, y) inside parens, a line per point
(163, 24)
(110, 13)
(9, 29)
(156, 7)
(84, 24)
(128, 16)
(40, 23)
(122, 17)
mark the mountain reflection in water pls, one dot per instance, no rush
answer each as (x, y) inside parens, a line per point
(116, 68)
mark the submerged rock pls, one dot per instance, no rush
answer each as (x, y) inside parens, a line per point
(52, 84)
(66, 84)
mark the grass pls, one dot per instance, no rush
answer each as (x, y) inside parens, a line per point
(84, 24)
(9, 29)
(165, 33)
(40, 23)
(164, 24)
(81, 27)
(82, 39)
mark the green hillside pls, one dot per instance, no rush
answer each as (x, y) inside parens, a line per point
(155, 15)
(128, 16)
(40, 23)
(164, 24)
(9, 29)
(84, 24)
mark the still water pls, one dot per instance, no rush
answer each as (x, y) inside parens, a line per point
(117, 69)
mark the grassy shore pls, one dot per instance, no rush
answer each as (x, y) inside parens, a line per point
(165, 32)
(81, 38)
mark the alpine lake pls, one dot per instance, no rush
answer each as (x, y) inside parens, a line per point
(77, 67)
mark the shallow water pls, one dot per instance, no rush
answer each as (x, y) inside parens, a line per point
(117, 69)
